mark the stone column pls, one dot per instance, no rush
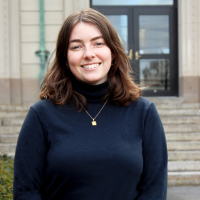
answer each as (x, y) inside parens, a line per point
(15, 69)
(10, 82)
(189, 49)
(30, 42)
(4, 53)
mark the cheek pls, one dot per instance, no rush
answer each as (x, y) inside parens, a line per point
(74, 58)
(108, 58)
(105, 55)
(109, 55)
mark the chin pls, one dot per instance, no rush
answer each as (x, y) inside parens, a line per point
(93, 82)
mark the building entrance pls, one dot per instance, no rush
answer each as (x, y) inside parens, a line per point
(149, 36)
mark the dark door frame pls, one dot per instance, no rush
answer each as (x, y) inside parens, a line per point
(133, 39)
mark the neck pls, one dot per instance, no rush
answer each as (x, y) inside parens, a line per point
(93, 93)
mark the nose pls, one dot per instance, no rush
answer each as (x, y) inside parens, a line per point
(88, 53)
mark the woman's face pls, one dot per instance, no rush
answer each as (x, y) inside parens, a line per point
(89, 57)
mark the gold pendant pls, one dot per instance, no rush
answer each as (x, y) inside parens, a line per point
(94, 123)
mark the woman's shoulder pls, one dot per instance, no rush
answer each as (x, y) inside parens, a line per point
(42, 105)
(47, 107)
(142, 106)
(143, 102)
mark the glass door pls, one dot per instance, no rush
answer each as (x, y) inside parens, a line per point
(121, 19)
(148, 34)
(155, 50)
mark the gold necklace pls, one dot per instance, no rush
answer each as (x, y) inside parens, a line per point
(94, 123)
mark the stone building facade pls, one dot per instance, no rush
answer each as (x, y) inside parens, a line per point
(19, 39)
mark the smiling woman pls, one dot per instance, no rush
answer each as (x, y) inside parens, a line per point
(86, 38)
(114, 148)
(88, 55)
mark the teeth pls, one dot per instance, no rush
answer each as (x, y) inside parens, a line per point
(90, 66)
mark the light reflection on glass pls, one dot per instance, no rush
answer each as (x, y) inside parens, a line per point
(154, 34)
(132, 2)
(155, 73)
(120, 23)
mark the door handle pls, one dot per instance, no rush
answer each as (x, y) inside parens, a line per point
(137, 56)
(130, 55)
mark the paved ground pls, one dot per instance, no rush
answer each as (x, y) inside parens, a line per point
(183, 193)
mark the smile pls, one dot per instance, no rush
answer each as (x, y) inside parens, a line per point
(92, 66)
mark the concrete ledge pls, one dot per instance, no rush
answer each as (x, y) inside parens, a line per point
(13, 114)
(183, 136)
(8, 138)
(183, 155)
(7, 148)
(180, 119)
(183, 145)
(9, 130)
(181, 128)
(185, 112)
(183, 178)
(183, 166)
(15, 108)
(12, 122)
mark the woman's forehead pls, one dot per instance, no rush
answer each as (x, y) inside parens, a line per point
(84, 30)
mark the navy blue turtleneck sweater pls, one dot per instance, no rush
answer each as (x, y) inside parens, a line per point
(61, 156)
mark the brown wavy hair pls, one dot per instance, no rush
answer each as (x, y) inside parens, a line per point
(57, 84)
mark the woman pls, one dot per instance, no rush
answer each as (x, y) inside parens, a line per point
(92, 137)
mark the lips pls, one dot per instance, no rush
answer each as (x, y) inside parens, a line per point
(91, 66)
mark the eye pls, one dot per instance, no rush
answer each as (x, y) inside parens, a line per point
(76, 47)
(99, 44)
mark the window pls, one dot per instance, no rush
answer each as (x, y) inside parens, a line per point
(131, 2)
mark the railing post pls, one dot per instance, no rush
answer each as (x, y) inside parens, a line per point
(42, 53)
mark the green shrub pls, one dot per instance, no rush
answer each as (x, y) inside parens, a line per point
(6, 177)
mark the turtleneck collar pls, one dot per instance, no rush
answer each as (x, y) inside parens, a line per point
(93, 93)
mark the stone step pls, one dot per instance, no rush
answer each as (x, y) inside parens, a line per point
(184, 178)
(181, 128)
(11, 154)
(12, 121)
(183, 145)
(184, 166)
(180, 119)
(160, 102)
(165, 119)
(7, 148)
(183, 136)
(14, 108)
(174, 112)
(169, 106)
(165, 100)
(9, 130)
(183, 155)
(4, 115)
(11, 124)
(162, 112)
(8, 139)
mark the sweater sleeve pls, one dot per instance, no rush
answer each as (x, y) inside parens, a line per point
(30, 159)
(154, 177)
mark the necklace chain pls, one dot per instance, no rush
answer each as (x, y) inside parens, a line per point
(94, 123)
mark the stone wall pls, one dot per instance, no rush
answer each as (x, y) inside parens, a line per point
(189, 49)
(19, 38)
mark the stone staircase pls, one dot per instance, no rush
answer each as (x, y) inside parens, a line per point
(11, 120)
(182, 128)
(181, 123)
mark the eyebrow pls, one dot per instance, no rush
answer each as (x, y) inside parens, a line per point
(78, 40)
